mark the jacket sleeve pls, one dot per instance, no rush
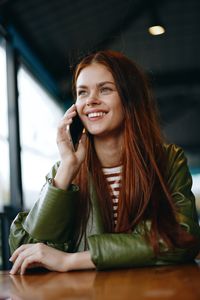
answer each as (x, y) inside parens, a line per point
(50, 220)
(129, 250)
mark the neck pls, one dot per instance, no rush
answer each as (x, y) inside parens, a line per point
(109, 151)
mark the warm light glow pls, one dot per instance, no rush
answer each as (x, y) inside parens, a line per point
(156, 30)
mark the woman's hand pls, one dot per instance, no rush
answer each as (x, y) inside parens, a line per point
(64, 142)
(70, 160)
(39, 255)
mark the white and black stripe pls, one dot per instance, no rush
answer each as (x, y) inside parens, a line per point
(113, 176)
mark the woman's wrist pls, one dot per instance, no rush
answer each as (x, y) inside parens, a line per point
(63, 176)
(79, 261)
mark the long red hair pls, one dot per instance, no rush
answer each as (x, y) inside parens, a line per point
(144, 193)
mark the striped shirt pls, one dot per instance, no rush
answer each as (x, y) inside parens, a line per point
(114, 176)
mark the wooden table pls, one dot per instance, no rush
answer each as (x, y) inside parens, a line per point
(171, 282)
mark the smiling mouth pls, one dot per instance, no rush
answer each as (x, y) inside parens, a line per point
(96, 114)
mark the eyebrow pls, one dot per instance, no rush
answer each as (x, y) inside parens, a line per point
(100, 84)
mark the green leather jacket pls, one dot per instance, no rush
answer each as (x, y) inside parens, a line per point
(51, 221)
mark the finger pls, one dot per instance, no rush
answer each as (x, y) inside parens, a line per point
(71, 109)
(63, 136)
(62, 132)
(18, 251)
(63, 125)
(26, 250)
(28, 262)
(64, 122)
(17, 264)
(69, 115)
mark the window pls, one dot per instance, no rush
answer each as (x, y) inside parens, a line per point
(38, 116)
(196, 187)
(4, 146)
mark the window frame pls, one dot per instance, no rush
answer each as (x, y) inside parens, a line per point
(15, 55)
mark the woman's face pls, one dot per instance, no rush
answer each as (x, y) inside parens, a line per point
(98, 103)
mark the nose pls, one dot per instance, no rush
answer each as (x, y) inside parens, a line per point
(92, 100)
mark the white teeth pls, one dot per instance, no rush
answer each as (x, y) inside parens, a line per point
(96, 114)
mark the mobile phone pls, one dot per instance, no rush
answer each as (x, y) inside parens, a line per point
(76, 130)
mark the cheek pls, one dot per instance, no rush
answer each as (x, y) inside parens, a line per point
(119, 108)
(120, 113)
(79, 106)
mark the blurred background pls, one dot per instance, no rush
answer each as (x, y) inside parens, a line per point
(40, 43)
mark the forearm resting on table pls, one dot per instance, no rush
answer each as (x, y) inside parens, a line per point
(81, 261)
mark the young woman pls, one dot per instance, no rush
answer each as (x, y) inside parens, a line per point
(123, 198)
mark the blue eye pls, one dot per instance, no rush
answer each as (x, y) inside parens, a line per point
(105, 90)
(82, 92)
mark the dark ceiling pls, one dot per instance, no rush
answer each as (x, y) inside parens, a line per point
(60, 32)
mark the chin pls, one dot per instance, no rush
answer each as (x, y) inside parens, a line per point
(96, 132)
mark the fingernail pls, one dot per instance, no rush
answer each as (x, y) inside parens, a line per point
(10, 259)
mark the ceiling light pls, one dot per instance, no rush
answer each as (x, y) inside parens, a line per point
(156, 29)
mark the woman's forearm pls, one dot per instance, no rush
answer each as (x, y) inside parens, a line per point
(80, 261)
(63, 177)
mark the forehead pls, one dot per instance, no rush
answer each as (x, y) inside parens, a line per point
(94, 74)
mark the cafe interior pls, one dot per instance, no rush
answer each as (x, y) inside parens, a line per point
(40, 43)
